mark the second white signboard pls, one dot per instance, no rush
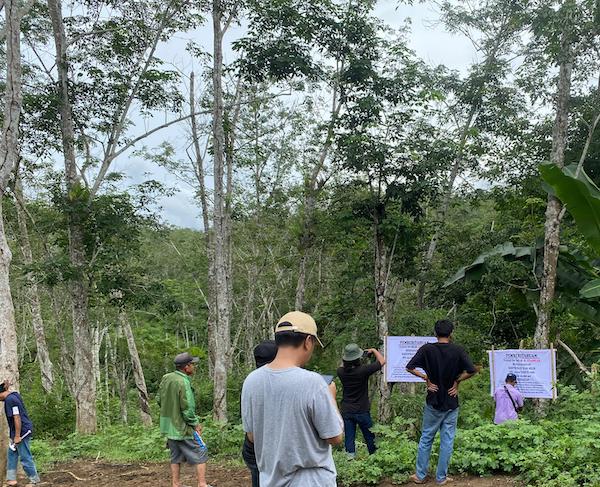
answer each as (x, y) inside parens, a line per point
(535, 371)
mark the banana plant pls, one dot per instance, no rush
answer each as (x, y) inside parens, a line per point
(581, 198)
(578, 284)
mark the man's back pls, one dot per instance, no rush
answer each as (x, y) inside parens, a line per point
(443, 363)
(177, 406)
(14, 406)
(355, 382)
(290, 414)
(505, 405)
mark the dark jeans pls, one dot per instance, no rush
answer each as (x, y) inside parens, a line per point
(255, 476)
(250, 460)
(364, 422)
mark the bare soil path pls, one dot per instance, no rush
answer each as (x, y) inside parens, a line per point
(102, 474)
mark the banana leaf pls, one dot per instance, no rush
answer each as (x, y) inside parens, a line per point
(591, 290)
(581, 197)
(477, 267)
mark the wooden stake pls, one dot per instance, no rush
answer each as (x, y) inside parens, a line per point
(493, 371)
(553, 371)
(385, 350)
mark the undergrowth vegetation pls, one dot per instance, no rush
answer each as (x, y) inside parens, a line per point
(560, 449)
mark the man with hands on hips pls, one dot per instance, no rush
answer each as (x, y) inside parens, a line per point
(445, 366)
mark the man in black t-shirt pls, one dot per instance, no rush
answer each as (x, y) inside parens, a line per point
(445, 366)
(356, 406)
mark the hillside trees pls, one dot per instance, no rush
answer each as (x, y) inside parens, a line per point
(382, 147)
(120, 68)
(9, 154)
(481, 103)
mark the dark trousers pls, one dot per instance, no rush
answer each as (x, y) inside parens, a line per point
(250, 459)
(255, 476)
(364, 422)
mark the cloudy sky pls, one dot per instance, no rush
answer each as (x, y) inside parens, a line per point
(428, 38)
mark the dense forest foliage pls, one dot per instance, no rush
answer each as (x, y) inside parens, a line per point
(335, 172)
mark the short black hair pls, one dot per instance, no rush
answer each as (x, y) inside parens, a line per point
(265, 352)
(443, 328)
(290, 338)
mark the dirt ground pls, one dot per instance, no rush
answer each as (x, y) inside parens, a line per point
(100, 474)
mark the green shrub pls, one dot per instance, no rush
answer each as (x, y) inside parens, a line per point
(395, 458)
(561, 449)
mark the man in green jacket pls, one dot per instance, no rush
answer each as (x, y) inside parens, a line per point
(178, 419)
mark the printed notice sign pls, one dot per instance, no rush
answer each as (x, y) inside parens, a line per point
(398, 352)
(535, 371)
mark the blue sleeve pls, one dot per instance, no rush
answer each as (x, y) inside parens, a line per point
(9, 406)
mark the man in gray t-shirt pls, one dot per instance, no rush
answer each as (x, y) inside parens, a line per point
(290, 413)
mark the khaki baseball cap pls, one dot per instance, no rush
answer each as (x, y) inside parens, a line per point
(300, 322)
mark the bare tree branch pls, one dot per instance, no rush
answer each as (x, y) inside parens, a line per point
(579, 363)
(145, 135)
(118, 128)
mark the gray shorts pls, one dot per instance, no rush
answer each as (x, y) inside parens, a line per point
(189, 451)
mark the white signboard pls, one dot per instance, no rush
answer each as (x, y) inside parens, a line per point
(535, 371)
(398, 352)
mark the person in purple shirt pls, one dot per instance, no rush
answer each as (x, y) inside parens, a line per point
(509, 401)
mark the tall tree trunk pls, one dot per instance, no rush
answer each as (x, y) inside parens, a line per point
(222, 338)
(66, 354)
(381, 278)
(98, 334)
(553, 209)
(306, 242)
(33, 295)
(208, 235)
(84, 383)
(119, 375)
(312, 188)
(249, 319)
(9, 368)
(138, 371)
(441, 217)
(9, 363)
